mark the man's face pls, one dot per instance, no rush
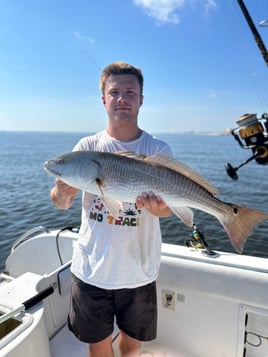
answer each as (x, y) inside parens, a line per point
(122, 98)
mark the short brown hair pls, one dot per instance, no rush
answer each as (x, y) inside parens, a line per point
(118, 68)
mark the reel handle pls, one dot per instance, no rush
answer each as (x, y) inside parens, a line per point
(231, 171)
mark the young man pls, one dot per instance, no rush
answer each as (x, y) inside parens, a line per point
(116, 261)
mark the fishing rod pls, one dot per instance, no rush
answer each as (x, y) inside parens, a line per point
(252, 132)
(254, 31)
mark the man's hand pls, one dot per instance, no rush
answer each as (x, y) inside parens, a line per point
(62, 195)
(154, 204)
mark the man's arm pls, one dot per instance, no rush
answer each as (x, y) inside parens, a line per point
(62, 195)
(154, 204)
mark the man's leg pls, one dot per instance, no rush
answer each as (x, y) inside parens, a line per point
(136, 316)
(103, 348)
(128, 346)
(91, 317)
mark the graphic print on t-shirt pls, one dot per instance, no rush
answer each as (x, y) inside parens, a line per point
(129, 216)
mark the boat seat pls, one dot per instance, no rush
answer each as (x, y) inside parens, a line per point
(40, 255)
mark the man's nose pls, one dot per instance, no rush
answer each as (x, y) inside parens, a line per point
(122, 97)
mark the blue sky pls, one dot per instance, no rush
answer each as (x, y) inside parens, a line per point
(201, 65)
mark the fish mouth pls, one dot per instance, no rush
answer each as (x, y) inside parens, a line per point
(50, 170)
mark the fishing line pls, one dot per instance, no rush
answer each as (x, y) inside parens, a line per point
(262, 9)
(259, 89)
(93, 59)
(264, 20)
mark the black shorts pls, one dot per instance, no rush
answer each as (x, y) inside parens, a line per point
(92, 312)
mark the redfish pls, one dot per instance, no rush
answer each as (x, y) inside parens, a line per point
(122, 176)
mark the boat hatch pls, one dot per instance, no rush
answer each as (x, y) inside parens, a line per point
(13, 327)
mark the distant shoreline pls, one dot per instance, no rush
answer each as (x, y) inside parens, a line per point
(190, 132)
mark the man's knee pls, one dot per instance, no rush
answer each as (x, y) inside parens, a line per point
(128, 346)
(103, 348)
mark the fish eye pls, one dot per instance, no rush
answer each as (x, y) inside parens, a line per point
(60, 161)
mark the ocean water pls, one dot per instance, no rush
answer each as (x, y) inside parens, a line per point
(25, 186)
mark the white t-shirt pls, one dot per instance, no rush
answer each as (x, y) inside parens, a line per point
(122, 252)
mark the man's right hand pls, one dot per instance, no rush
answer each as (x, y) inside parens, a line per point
(62, 195)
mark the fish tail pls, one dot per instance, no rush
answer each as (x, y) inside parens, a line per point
(240, 223)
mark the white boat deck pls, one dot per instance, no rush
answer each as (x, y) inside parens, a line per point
(65, 343)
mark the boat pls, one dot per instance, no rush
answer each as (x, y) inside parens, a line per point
(210, 304)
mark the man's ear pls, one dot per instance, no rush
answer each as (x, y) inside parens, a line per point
(141, 100)
(103, 100)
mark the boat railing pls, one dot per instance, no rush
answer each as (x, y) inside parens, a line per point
(27, 235)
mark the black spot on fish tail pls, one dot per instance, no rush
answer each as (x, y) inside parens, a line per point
(240, 224)
(235, 210)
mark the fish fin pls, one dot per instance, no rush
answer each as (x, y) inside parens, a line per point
(99, 185)
(185, 214)
(131, 155)
(240, 224)
(112, 206)
(173, 164)
(183, 169)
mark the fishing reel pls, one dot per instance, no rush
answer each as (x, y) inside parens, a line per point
(251, 133)
(198, 241)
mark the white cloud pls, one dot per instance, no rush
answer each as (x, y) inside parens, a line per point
(167, 11)
(84, 38)
(161, 10)
(209, 5)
